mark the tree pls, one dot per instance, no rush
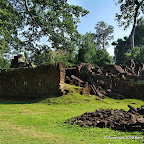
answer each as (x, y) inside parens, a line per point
(129, 12)
(114, 44)
(138, 55)
(122, 46)
(89, 53)
(103, 34)
(123, 50)
(87, 48)
(139, 33)
(102, 58)
(34, 19)
(9, 25)
(51, 57)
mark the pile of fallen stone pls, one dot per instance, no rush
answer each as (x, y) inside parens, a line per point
(133, 120)
(107, 80)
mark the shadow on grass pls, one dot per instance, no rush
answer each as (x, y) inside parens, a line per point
(16, 100)
(142, 99)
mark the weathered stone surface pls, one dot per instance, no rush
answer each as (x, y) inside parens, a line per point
(140, 120)
(76, 78)
(132, 108)
(141, 110)
(132, 119)
(33, 82)
(112, 69)
(115, 95)
(116, 81)
(111, 118)
(19, 62)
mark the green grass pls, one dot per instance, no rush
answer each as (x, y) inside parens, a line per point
(23, 122)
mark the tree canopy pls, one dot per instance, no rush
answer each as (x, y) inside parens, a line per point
(10, 22)
(24, 24)
(104, 33)
(129, 12)
(123, 50)
(90, 53)
(87, 48)
(33, 19)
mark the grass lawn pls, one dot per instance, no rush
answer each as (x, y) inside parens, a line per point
(23, 122)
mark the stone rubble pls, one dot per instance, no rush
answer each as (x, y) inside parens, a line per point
(132, 120)
(116, 81)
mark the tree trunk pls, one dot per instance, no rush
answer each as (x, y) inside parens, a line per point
(134, 24)
(103, 43)
(115, 55)
(132, 36)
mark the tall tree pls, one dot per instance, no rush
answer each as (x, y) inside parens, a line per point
(10, 22)
(9, 25)
(54, 19)
(51, 57)
(104, 33)
(129, 12)
(139, 33)
(123, 47)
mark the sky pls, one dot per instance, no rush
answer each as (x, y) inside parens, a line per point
(100, 10)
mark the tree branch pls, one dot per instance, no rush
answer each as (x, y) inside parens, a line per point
(26, 5)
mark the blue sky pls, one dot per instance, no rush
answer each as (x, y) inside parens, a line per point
(100, 10)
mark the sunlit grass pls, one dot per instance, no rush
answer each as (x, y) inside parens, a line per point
(43, 122)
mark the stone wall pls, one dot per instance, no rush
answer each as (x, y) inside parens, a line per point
(131, 86)
(36, 82)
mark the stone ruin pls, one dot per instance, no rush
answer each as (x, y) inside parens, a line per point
(117, 81)
(27, 81)
(132, 120)
(19, 61)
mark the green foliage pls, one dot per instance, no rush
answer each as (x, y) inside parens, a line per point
(123, 51)
(10, 22)
(104, 33)
(24, 22)
(9, 25)
(127, 57)
(129, 9)
(129, 13)
(55, 20)
(139, 33)
(88, 52)
(122, 47)
(87, 48)
(4, 63)
(102, 58)
(137, 54)
(52, 57)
